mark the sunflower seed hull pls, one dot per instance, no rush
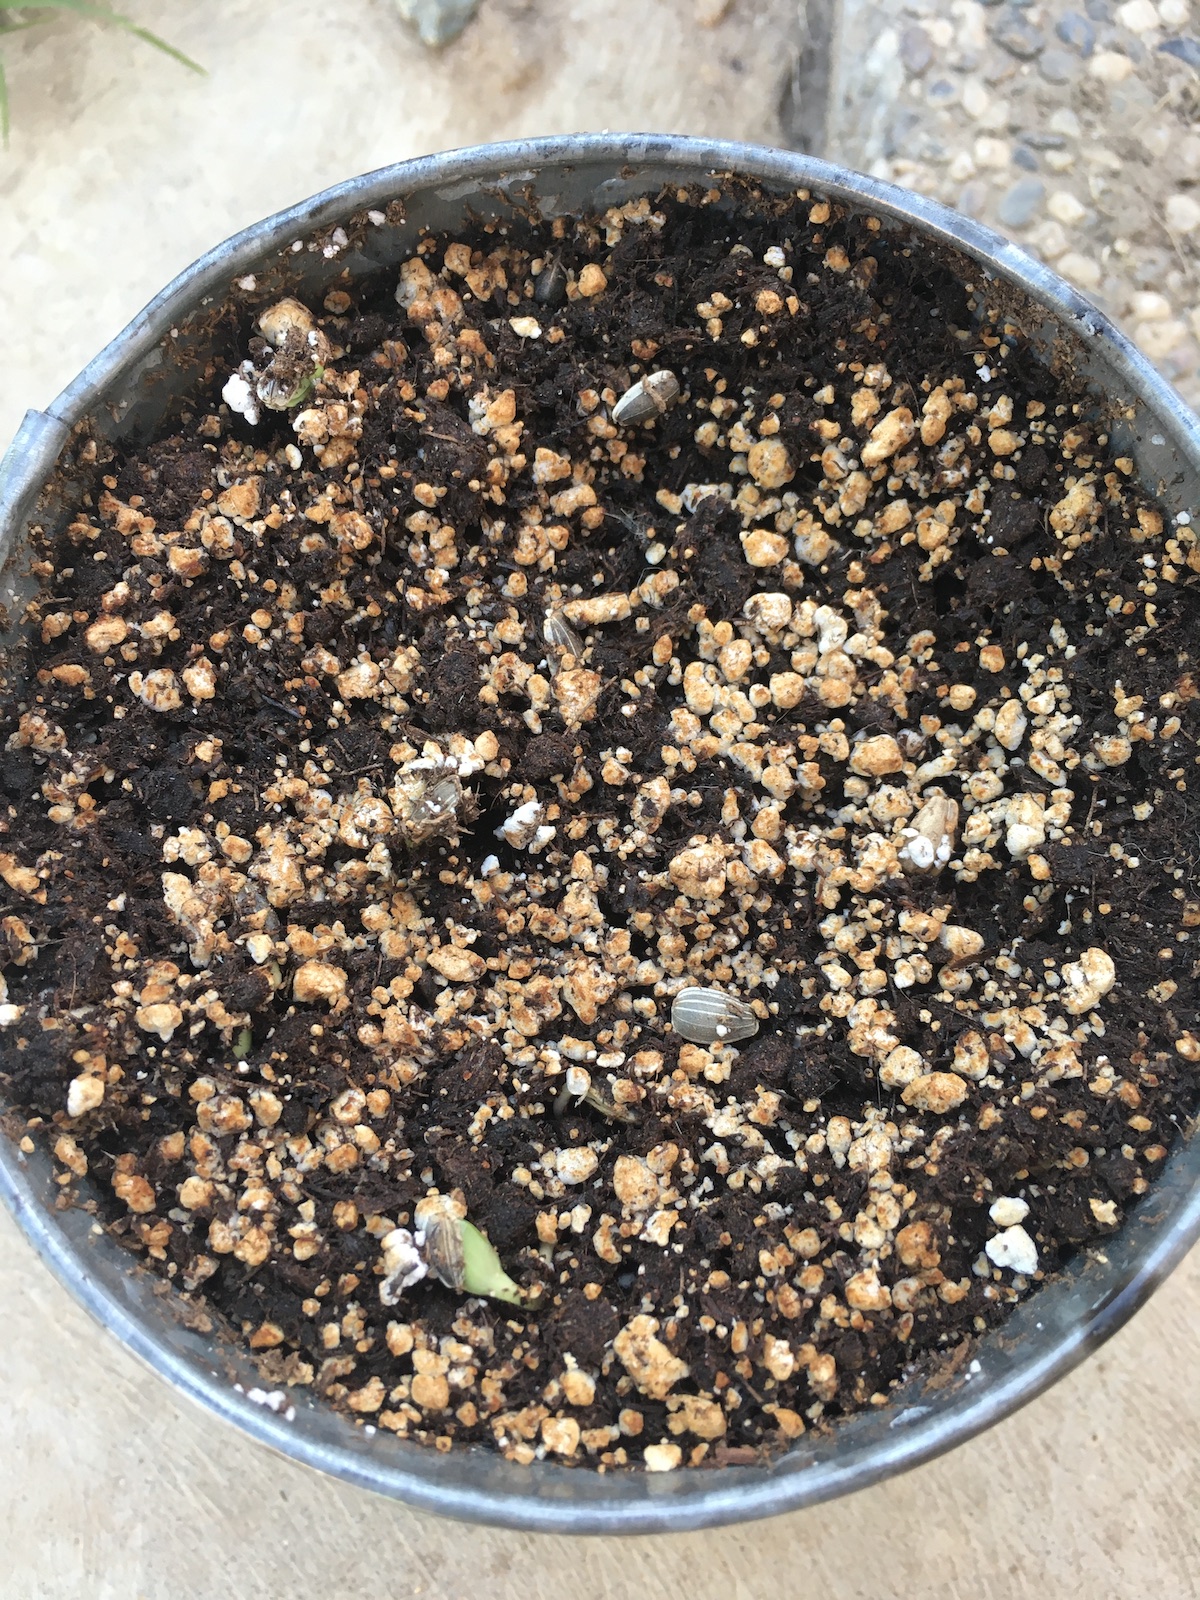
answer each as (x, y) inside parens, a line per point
(444, 1250)
(707, 1016)
(560, 635)
(648, 398)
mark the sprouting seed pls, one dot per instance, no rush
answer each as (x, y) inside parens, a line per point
(648, 398)
(463, 1259)
(284, 392)
(242, 1044)
(609, 1107)
(576, 1083)
(483, 1271)
(459, 1256)
(435, 804)
(285, 319)
(708, 1016)
(929, 838)
(444, 1249)
(428, 798)
(560, 635)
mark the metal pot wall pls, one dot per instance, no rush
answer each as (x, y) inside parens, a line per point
(126, 391)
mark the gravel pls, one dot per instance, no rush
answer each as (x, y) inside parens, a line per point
(1056, 66)
(437, 21)
(1077, 31)
(1068, 124)
(1018, 36)
(916, 50)
(1021, 203)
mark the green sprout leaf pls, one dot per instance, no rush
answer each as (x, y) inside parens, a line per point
(306, 387)
(483, 1272)
(241, 1048)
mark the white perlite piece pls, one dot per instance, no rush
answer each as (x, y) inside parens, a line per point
(522, 828)
(404, 1265)
(1013, 1249)
(274, 1399)
(576, 1165)
(238, 394)
(1087, 980)
(84, 1094)
(1008, 1210)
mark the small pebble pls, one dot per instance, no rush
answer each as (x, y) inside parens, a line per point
(1186, 50)
(916, 50)
(975, 99)
(437, 21)
(1182, 213)
(1082, 272)
(1021, 203)
(1147, 305)
(1110, 66)
(1056, 66)
(1008, 1210)
(1139, 16)
(1064, 208)
(1018, 36)
(1077, 31)
(1065, 124)
(972, 198)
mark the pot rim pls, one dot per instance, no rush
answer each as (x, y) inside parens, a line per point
(1099, 1290)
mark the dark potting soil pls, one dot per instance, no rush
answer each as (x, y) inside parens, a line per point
(379, 769)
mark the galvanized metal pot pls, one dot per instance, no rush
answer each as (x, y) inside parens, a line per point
(125, 391)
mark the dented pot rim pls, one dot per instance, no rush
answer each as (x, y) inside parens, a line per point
(1045, 1338)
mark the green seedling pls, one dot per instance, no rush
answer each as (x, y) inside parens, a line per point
(483, 1272)
(463, 1259)
(278, 396)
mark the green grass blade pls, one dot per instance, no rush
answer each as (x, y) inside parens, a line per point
(83, 8)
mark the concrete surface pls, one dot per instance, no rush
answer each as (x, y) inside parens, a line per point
(122, 168)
